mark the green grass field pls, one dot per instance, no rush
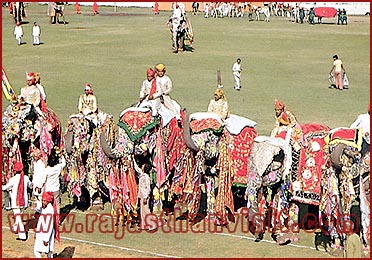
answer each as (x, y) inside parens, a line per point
(112, 51)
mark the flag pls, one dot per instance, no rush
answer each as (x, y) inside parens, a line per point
(7, 88)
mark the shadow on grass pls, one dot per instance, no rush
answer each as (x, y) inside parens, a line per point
(67, 252)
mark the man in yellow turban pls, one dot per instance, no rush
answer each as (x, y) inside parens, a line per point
(219, 104)
(164, 86)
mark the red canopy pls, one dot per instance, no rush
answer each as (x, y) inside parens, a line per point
(327, 12)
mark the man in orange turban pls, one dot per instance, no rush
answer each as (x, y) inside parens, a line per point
(285, 121)
(148, 89)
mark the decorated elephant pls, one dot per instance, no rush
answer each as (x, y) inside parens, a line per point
(87, 166)
(156, 140)
(344, 184)
(24, 129)
(275, 189)
(221, 153)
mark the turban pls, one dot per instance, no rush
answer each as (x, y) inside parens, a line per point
(18, 166)
(88, 88)
(160, 67)
(279, 104)
(47, 196)
(30, 75)
(220, 94)
(151, 72)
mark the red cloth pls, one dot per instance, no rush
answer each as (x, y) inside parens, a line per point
(153, 88)
(48, 196)
(18, 167)
(345, 134)
(77, 5)
(327, 12)
(95, 7)
(242, 144)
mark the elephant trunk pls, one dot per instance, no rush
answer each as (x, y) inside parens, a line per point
(187, 134)
(68, 142)
(106, 147)
(336, 156)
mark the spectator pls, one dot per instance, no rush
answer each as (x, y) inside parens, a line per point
(18, 33)
(36, 34)
(237, 68)
(338, 70)
(95, 8)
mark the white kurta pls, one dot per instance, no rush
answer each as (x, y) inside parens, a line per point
(45, 230)
(18, 32)
(155, 103)
(163, 88)
(13, 185)
(363, 121)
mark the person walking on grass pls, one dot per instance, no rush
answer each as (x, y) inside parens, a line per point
(36, 34)
(338, 70)
(237, 69)
(18, 33)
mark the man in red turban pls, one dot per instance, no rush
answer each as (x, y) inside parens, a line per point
(19, 200)
(148, 89)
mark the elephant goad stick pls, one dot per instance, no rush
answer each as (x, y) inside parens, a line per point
(219, 80)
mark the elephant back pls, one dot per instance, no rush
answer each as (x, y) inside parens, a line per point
(205, 122)
(313, 158)
(137, 121)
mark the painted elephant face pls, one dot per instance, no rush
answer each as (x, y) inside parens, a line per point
(208, 142)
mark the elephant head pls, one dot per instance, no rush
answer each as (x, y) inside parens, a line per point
(202, 131)
(87, 163)
(23, 128)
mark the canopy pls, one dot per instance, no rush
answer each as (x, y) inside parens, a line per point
(327, 12)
